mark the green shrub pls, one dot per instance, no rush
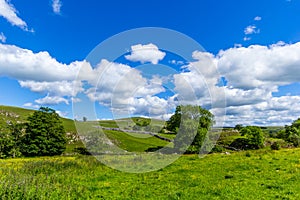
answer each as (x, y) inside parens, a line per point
(275, 146)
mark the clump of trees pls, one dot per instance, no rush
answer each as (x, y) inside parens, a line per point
(252, 138)
(42, 135)
(190, 124)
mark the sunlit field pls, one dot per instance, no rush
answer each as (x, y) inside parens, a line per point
(262, 174)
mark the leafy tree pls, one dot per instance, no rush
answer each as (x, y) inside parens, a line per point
(10, 140)
(44, 134)
(84, 119)
(291, 133)
(254, 135)
(191, 124)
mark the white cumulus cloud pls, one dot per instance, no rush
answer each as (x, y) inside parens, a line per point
(145, 53)
(23, 64)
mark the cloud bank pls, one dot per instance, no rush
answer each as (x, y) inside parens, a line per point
(252, 75)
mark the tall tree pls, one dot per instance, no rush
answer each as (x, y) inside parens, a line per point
(44, 135)
(191, 124)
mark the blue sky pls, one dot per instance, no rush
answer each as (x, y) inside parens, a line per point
(254, 45)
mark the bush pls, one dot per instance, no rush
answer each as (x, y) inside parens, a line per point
(217, 149)
(241, 144)
(275, 146)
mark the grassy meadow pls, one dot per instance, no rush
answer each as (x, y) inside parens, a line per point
(256, 174)
(262, 174)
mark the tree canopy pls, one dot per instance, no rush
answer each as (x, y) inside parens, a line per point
(291, 133)
(44, 134)
(191, 124)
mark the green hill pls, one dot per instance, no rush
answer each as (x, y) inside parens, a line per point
(16, 114)
(128, 141)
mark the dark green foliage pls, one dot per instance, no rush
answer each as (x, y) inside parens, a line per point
(240, 144)
(275, 146)
(10, 140)
(174, 122)
(253, 138)
(82, 151)
(44, 135)
(291, 133)
(191, 124)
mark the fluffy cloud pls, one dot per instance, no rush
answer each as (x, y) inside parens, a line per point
(274, 111)
(125, 90)
(260, 66)
(8, 11)
(2, 37)
(56, 6)
(145, 53)
(23, 64)
(51, 100)
(253, 74)
(59, 88)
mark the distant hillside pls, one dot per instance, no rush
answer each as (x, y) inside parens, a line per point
(128, 141)
(16, 114)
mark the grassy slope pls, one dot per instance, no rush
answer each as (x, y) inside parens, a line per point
(245, 175)
(23, 114)
(134, 142)
(130, 142)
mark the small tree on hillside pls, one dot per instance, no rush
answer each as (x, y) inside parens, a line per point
(44, 135)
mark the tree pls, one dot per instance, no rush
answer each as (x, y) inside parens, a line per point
(254, 136)
(84, 119)
(44, 134)
(10, 140)
(291, 133)
(191, 124)
(174, 122)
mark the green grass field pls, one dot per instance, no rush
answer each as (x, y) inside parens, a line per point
(251, 175)
(258, 174)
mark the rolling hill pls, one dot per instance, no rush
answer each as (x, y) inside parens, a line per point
(129, 141)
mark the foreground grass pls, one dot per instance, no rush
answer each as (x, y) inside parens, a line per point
(245, 175)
